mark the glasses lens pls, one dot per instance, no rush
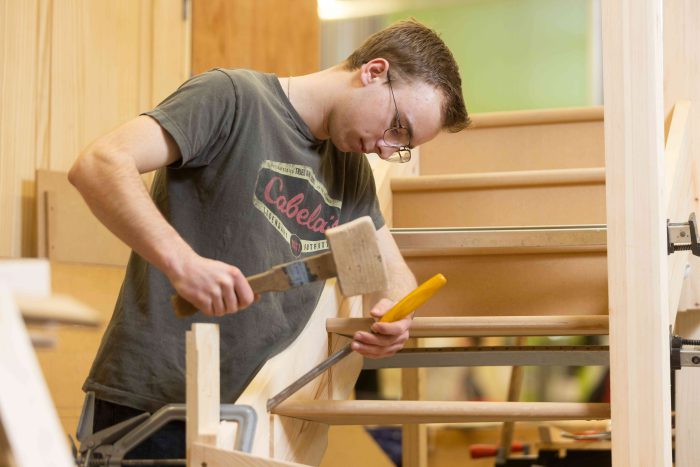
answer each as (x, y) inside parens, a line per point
(397, 137)
(400, 157)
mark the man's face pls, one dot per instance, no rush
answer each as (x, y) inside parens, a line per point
(359, 123)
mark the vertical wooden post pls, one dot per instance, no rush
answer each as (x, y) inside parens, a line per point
(203, 396)
(637, 263)
(414, 439)
(687, 381)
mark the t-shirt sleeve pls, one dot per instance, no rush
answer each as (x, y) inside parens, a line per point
(363, 197)
(199, 117)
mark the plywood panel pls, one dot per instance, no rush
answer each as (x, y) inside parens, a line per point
(523, 147)
(275, 36)
(520, 203)
(75, 235)
(516, 285)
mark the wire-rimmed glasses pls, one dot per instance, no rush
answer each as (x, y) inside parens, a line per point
(398, 135)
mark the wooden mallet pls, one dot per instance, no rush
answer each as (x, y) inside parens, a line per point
(354, 258)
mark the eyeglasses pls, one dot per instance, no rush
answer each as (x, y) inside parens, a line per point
(398, 135)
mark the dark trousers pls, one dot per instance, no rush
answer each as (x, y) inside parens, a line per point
(168, 443)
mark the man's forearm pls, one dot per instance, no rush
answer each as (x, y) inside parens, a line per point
(112, 187)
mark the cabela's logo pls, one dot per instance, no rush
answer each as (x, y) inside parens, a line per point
(296, 204)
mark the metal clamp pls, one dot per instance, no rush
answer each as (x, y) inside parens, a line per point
(683, 236)
(109, 446)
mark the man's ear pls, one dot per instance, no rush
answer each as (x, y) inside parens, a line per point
(374, 71)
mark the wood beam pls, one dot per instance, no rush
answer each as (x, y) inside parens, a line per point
(636, 217)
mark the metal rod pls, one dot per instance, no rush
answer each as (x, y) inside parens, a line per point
(577, 355)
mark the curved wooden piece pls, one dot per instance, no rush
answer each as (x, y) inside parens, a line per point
(293, 440)
(369, 412)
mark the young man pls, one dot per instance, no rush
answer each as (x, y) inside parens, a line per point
(252, 170)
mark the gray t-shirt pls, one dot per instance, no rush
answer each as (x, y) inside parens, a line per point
(254, 189)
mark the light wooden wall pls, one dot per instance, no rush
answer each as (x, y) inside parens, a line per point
(276, 36)
(69, 72)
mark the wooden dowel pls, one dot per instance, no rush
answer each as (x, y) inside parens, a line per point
(536, 117)
(499, 179)
(369, 412)
(472, 326)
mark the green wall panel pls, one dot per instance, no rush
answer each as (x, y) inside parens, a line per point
(517, 54)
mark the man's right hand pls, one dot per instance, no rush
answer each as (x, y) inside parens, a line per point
(213, 287)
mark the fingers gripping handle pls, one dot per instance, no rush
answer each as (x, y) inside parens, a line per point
(413, 300)
(274, 279)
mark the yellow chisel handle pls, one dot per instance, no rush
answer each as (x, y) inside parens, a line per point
(413, 300)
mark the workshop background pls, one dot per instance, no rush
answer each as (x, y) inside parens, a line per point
(71, 70)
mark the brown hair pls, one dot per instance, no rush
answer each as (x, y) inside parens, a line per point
(416, 52)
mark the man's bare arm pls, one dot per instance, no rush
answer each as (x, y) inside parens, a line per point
(107, 174)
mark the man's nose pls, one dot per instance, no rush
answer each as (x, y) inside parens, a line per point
(384, 150)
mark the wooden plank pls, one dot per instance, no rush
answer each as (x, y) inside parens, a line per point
(27, 414)
(27, 276)
(57, 309)
(687, 381)
(516, 285)
(508, 199)
(203, 396)
(541, 139)
(372, 412)
(472, 326)
(678, 199)
(205, 455)
(637, 263)
(682, 82)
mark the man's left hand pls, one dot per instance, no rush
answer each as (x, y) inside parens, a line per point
(386, 338)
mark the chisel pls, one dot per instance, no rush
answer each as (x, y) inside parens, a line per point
(403, 308)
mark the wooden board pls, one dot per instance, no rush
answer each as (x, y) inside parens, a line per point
(27, 414)
(523, 140)
(77, 236)
(687, 381)
(678, 199)
(526, 198)
(636, 217)
(210, 456)
(516, 285)
(682, 82)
